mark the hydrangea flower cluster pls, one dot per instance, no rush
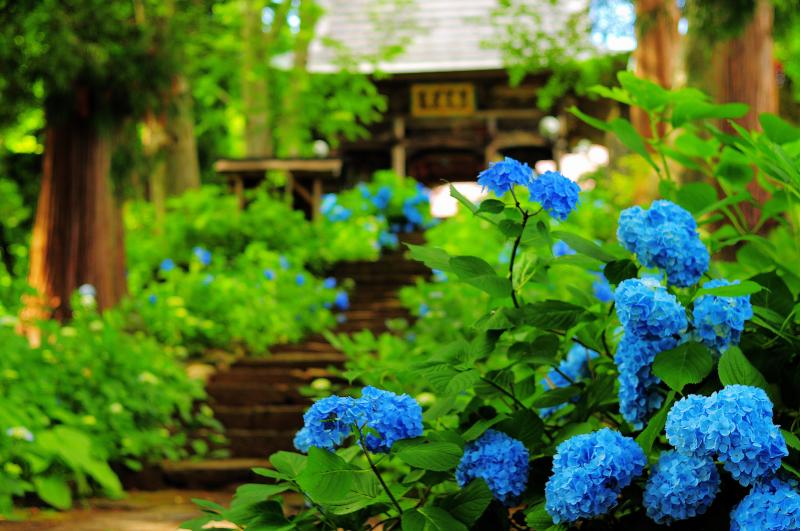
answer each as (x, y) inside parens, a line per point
(498, 459)
(575, 366)
(735, 426)
(638, 396)
(502, 176)
(557, 194)
(602, 289)
(202, 254)
(386, 416)
(589, 472)
(719, 321)
(680, 487)
(332, 210)
(665, 236)
(562, 249)
(770, 506)
(646, 309)
(411, 206)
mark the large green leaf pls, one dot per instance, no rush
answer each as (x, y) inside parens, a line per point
(694, 109)
(552, 314)
(537, 517)
(779, 130)
(583, 246)
(289, 463)
(430, 519)
(479, 273)
(619, 270)
(746, 287)
(458, 196)
(491, 206)
(430, 256)
(735, 368)
(694, 197)
(54, 491)
(327, 477)
(436, 456)
(628, 135)
(734, 168)
(685, 364)
(468, 504)
(557, 396)
(646, 94)
(648, 437)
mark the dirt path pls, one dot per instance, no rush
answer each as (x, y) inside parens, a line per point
(139, 511)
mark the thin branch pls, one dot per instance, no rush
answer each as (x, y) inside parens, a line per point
(363, 444)
(504, 391)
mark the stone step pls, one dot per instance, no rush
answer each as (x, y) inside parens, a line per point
(270, 374)
(297, 359)
(272, 417)
(190, 474)
(254, 394)
(373, 315)
(258, 443)
(372, 304)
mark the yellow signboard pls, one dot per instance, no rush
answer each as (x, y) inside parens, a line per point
(442, 99)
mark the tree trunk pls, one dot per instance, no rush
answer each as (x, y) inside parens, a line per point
(657, 49)
(258, 129)
(744, 72)
(182, 166)
(77, 233)
(309, 14)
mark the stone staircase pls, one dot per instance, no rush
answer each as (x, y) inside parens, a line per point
(259, 399)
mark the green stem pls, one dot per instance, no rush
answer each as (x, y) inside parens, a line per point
(363, 444)
(500, 388)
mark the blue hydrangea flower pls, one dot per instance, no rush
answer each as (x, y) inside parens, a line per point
(562, 249)
(300, 279)
(719, 321)
(498, 459)
(152, 298)
(589, 472)
(208, 279)
(735, 425)
(284, 262)
(575, 366)
(202, 254)
(327, 423)
(342, 301)
(502, 176)
(388, 239)
(423, 310)
(392, 417)
(382, 197)
(665, 236)
(602, 289)
(167, 265)
(770, 506)
(439, 275)
(680, 487)
(269, 274)
(647, 309)
(329, 283)
(638, 391)
(557, 194)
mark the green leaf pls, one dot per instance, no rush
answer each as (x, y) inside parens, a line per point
(524, 425)
(430, 256)
(289, 463)
(536, 235)
(542, 350)
(537, 517)
(257, 492)
(557, 396)
(491, 206)
(628, 135)
(480, 427)
(436, 456)
(209, 506)
(327, 477)
(469, 503)
(479, 273)
(458, 196)
(778, 130)
(591, 120)
(685, 364)
(735, 368)
(646, 94)
(54, 491)
(694, 146)
(694, 197)
(693, 109)
(583, 246)
(648, 437)
(746, 287)
(792, 441)
(734, 168)
(552, 314)
(430, 519)
(619, 270)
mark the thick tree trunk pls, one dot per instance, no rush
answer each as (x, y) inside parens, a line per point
(745, 72)
(77, 233)
(656, 51)
(182, 166)
(258, 128)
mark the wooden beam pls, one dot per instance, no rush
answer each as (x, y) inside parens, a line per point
(399, 147)
(333, 167)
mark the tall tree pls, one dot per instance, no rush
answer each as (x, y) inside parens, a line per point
(656, 50)
(91, 63)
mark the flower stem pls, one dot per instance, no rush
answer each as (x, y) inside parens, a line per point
(363, 445)
(506, 392)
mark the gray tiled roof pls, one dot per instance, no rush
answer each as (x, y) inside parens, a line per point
(443, 35)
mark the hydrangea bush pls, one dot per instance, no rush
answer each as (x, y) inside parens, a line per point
(667, 401)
